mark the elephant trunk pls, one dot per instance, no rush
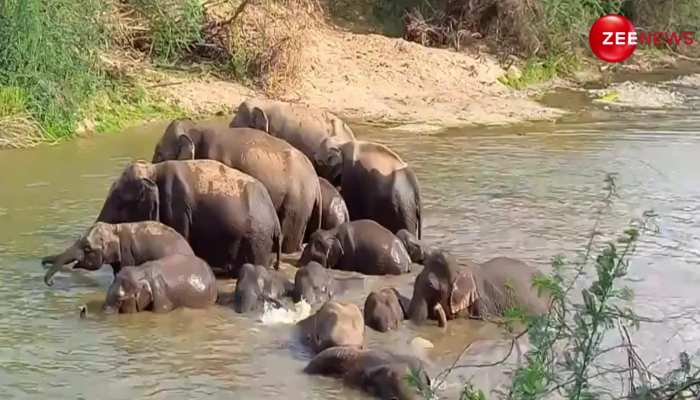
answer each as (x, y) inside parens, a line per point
(57, 262)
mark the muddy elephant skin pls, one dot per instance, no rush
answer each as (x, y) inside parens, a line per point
(286, 173)
(334, 324)
(385, 309)
(362, 246)
(379, 373)
(162, 285)
(447, 289)
(256, 285)
(375, 183)
(301, 126)
(119, 245)
(226, 216)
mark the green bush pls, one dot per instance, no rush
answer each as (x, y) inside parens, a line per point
(48, 53)
(175, 26)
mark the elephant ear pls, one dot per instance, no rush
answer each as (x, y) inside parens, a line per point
(150, 197)
(185, 147)
(463, 292)
(334, 253)
(259, 120)
(144, 296)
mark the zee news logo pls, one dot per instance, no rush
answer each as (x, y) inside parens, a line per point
(613, 38)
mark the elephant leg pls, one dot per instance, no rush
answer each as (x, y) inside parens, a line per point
(405, 209)
(258, 250)
(234, 259)
(161, 302)
(293, 222)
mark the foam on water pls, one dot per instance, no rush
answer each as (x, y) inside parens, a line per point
(272, 315)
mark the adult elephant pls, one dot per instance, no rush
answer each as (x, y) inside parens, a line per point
(380, 373)
(162, 285)
(375, 183)
(362, 246)
(119, 245)
(335, 211)
(226, 216)
(286, 173)
(301, 126)
(446, 290)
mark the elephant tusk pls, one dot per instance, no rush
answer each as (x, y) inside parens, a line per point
(442, 317)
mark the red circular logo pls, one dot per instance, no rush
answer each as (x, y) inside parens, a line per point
(613, 38)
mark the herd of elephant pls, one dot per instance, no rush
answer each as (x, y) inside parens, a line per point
(283, 178)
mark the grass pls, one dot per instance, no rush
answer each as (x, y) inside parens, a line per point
(175, 25)
(121, 108)
(49, 54)
(538, 70)
(52, 79)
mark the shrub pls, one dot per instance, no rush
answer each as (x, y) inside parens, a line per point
(174, 25)
(567, 357)
(49, 53)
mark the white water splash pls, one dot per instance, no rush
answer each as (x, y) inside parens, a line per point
(272, 315)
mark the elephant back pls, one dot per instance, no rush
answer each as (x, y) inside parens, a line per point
(506, 283)
(375, 157)
(214, 178)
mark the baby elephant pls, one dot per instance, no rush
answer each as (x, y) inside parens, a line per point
(334, 324)
(162, 285)
(384, 310)
(363, 246)
(314, 283)
(119, 245)
(257, 284)
(380, 373)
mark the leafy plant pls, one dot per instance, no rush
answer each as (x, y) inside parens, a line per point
(567, 344)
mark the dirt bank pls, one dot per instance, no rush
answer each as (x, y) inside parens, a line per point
(379, 79)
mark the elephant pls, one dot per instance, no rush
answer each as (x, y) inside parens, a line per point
(363, 246)
(287, 174)
(380, 373)
(314, 283)
(226, 216)
(416, 248)
(384, 310)
(162, 285)
(334, 324)
(119, 245)
(301, 126)
(257, 284)
(335, 211)
(445, 290)
(375, 183)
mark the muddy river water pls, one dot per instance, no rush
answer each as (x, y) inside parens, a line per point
(526, 191)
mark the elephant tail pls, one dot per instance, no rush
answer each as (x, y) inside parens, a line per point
(318, 207)
(419, 218)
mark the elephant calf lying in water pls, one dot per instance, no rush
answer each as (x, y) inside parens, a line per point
(257, 284)
(446, 290)
(363, 246)
(334, 324)
(383, 374)
(162, 285)
(119, 245)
